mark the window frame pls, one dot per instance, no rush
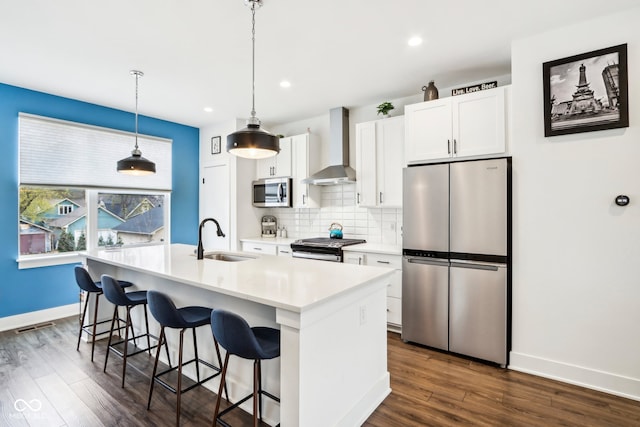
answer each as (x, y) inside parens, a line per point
(91, 200)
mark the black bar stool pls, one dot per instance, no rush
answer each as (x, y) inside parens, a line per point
(165, 312)
(117, 296)
(257, 343)
(88, 285)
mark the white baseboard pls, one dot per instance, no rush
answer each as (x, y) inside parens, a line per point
(589, 378)
(35, 317)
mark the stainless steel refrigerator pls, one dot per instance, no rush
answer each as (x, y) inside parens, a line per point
(456, 257)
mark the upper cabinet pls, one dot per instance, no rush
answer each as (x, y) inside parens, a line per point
(457, 126)
(379, 162)
(278, 165)
(305, 155)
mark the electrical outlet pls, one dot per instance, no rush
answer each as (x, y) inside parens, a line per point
(363, 314)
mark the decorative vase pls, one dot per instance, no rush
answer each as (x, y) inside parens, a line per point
(430, 92)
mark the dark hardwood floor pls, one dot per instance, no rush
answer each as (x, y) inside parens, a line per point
(44, 381)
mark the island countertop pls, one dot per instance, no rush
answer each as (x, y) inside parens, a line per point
(331, 316)
(280, 282)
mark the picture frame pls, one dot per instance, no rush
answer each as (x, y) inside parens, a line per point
(216, 145)
(586, 92)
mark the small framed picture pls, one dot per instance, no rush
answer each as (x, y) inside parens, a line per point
(586, 92)
(216, 147)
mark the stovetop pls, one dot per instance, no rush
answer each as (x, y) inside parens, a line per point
(326, 242)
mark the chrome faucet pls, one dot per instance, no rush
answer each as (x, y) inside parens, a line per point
(219, 232)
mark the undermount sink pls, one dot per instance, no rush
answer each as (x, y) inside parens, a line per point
(229, 257)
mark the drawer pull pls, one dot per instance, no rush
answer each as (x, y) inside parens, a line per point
(257, 249)
(384, 262)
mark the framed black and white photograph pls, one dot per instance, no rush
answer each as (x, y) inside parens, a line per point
(586, 92)
(216, 147)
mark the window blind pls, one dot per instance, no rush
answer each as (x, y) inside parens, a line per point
(58, 152)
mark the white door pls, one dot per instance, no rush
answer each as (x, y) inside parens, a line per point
(366, 174)
(390, 161)
(283, 159)
(479, 123)
(214, 203)
(300, 166)
(428, 131)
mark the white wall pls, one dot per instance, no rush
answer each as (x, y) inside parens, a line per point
(576, 269)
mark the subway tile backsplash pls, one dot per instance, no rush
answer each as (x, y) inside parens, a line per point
(338, 204)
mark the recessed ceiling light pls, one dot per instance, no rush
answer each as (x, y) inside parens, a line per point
(285, 83)
(208, 109)
(415, 41)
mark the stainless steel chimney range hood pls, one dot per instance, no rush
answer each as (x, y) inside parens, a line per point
(339, 172)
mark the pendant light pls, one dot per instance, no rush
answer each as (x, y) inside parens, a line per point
(252, 142)
(136, 164)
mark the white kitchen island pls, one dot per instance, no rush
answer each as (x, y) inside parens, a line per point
(332, 317)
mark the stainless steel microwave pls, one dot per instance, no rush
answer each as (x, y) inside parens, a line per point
(272, 193)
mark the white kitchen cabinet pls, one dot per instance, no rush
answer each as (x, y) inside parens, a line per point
(278, 165)
(260, 248)
(305, 158)
(458, 126)
(278, 246)
(394, 290)
(379, 162)
(284, 250)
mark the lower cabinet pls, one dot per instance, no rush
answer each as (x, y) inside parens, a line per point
(274, 248)
(394, 291)
(260, 248)
(284, 250)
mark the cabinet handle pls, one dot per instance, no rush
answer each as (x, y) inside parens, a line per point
(455, 147)
(381, 197)
(384, 262)
(257, 249)
(285, 252)
(303, 196)
(448, 146)
(358, 198)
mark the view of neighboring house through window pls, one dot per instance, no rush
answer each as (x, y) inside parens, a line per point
(54, 220)
(129, 219)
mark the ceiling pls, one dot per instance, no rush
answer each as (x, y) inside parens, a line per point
(197, 53)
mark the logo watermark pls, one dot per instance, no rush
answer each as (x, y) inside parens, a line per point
(27, 409)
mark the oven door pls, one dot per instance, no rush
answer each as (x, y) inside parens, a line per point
(316, 255)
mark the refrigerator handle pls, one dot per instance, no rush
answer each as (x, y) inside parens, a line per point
(428, 261)
(477, 266)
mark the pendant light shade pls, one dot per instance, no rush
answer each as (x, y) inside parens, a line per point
(136, 164)
(253, 142)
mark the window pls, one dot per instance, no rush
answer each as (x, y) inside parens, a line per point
(87, 204)
(65, 209)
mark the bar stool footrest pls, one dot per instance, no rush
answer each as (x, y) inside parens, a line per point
(172, 389)
(240, 402)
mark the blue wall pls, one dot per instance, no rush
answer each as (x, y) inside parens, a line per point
(23, 291)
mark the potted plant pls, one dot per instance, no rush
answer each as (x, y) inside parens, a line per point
(384, 108)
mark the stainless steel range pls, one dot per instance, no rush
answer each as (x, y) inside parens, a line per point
(322, 248)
